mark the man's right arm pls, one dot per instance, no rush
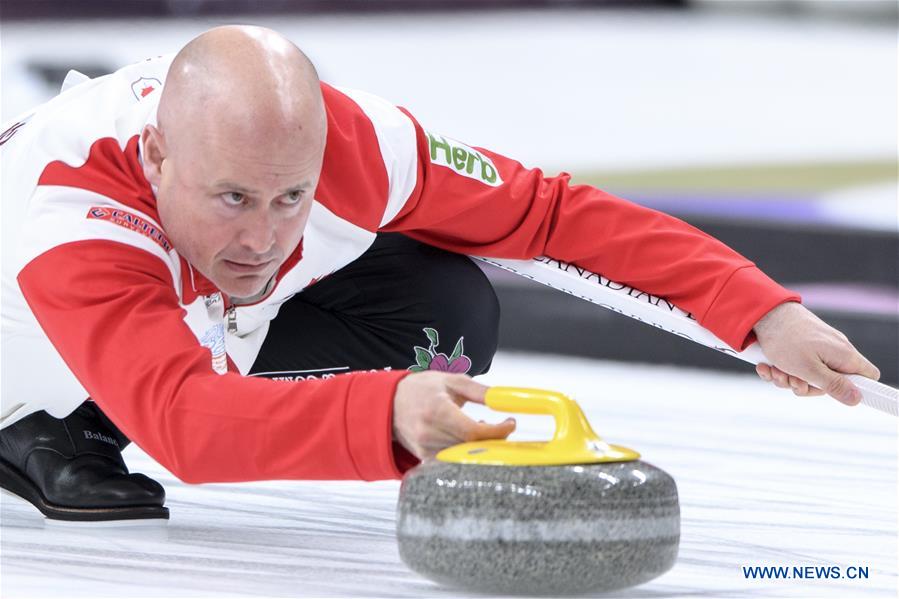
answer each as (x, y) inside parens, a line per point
(112, 314)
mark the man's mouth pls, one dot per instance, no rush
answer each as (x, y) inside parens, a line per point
(248, 267)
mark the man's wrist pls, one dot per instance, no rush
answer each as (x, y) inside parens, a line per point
(771, 318)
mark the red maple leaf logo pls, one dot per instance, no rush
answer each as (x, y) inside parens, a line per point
(146, 90)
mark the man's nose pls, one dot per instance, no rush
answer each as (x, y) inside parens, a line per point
(258, 233)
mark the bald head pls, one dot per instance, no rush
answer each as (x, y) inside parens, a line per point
(250, 80)
(236, 154)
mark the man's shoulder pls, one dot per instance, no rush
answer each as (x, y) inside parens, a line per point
(65, 127)
(346, 105)
(87, 136)
(77, 165)
(375, 142)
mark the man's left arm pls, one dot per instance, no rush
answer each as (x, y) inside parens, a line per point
(474, 201)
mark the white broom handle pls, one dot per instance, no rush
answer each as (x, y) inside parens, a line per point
(658, 312)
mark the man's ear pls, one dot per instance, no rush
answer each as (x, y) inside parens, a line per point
(154, 154)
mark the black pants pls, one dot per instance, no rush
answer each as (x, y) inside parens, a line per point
(400, 305)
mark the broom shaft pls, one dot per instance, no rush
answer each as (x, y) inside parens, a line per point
(658, 312)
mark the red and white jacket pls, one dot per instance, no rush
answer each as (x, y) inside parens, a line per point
(98, 303)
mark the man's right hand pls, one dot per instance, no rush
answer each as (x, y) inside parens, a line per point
(427, 414)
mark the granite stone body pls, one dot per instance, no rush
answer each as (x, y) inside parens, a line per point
(547, 530)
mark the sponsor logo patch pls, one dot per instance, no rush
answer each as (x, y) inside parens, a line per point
(463, 159)
(131, 221)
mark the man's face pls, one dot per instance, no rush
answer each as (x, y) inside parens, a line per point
(235, 210)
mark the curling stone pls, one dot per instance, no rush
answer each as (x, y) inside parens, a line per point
(567, 516)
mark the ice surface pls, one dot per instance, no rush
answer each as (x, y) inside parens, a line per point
(765, 478)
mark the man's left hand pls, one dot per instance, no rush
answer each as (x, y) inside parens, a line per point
(809, 356)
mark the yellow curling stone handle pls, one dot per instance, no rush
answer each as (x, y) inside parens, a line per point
(574, 442)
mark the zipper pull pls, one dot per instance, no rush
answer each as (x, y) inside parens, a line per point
(231, 315)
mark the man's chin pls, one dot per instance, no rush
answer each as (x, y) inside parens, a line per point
(243, 287)
(240, 281)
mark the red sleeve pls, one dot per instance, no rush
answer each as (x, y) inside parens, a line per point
(113, 316)
(524, 214)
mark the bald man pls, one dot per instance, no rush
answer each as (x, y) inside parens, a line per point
(246, 271)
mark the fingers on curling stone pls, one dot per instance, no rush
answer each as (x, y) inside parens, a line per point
(464, 388)
(486, 430)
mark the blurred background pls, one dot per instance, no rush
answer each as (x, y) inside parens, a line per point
(770, 125)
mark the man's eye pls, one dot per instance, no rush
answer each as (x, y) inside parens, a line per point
(233, 198)
(293, 197)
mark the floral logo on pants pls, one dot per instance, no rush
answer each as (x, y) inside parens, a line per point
(429, 359)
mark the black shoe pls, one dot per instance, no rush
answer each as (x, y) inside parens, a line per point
(72, 469)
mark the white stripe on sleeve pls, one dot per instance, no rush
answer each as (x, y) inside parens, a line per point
(399, 150)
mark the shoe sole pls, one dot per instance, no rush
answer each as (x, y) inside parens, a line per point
(13, 481)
